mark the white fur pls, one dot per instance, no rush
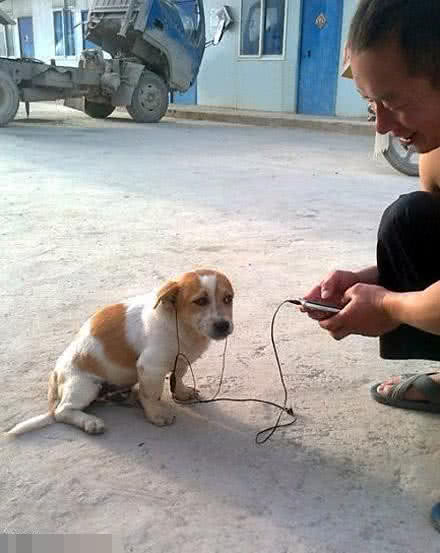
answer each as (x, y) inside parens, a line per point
(151, 334)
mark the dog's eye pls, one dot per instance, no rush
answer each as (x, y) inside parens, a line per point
(227, 299)
(202, 301)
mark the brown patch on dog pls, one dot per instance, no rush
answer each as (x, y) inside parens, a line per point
(108, 326)
(190, 285)
(52, 392)
(224, 294)
(223, 285)
(223, 282)
(116, 376)
(89, 364)
(167, 292)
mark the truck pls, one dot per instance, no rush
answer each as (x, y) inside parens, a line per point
(153, 47)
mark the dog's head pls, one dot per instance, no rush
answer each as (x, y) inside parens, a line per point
(203, 300)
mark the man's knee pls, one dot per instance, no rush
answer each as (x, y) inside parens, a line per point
(410, 210)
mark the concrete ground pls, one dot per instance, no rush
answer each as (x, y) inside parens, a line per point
(96, 211)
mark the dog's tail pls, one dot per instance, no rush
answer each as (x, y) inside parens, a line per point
(41, 420)
(32, 424)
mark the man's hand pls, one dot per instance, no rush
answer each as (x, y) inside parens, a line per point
(364, 313)
(331, 290)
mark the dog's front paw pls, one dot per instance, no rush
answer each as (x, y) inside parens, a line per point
(186, 393)
(94, 426)
(160, 415)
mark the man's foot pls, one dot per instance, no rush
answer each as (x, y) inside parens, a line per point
(413, 393)
(410, 391)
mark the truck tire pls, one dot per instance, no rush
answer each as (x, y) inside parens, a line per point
(150, 99)
(97, 110)
(9, 98)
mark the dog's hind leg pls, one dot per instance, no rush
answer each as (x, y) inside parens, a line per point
(79, 391)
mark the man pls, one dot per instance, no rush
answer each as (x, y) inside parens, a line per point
(394, 48)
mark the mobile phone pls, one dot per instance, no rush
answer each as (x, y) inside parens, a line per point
(317, 305)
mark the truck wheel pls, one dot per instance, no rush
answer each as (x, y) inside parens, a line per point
(97, 110)
(150, 99)
(9, 98)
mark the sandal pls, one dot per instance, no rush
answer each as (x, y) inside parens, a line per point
(435, 516)
(421, 382)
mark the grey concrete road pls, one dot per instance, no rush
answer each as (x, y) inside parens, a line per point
(95, 211)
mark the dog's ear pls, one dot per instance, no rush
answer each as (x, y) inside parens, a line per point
(168, 293)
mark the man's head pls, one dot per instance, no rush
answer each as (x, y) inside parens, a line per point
(395, 59)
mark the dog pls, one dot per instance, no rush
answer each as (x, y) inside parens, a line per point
(134, 344)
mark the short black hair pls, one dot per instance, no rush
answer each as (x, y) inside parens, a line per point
(415, 24)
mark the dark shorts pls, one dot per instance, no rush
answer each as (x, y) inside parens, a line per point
(408, 260)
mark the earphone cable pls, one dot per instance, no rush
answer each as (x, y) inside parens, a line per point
(263, 435)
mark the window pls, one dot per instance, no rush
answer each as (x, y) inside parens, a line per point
(262, 27)
(6, 41)
(9, 33)
(190, 14)
(64, 33)
(84, 19)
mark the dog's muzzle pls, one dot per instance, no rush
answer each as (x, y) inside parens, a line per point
(221, 329)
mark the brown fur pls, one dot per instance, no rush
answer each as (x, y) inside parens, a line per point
(168, 292)
(189, 287)
(108, 326)
(89, 363)
(52, 392)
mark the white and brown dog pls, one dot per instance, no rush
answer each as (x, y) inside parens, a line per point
(135, 343)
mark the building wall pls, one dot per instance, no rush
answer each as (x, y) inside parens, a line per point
(268, 84)
(227, 80)
(348, 102)
(42, 18)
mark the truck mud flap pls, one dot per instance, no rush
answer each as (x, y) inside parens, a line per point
(130, 75)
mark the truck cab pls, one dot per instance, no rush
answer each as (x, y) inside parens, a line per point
(167, 36)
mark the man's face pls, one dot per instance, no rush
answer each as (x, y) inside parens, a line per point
(407, 106)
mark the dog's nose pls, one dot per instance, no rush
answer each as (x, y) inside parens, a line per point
(221, 327)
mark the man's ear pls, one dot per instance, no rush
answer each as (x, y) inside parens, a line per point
(168, 293)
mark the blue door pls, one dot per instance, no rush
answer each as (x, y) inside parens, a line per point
(319, 56)
(26, 33)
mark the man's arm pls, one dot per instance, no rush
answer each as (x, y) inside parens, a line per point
(418, 309)
(369, 275)
(429, 168)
